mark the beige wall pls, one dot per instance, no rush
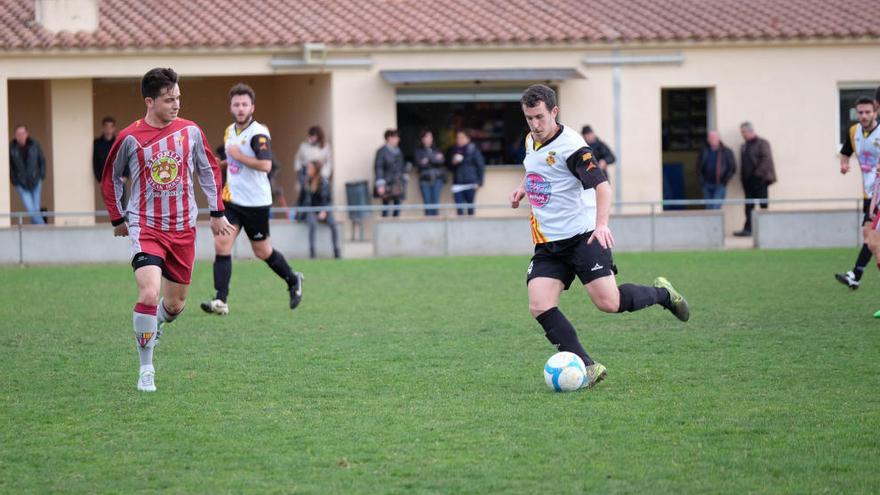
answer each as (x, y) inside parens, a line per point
(71, 119)
(789, 92)
(5, 192)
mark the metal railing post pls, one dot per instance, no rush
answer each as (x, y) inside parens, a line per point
(20, 242)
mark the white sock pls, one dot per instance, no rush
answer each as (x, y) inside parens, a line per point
(145, 328)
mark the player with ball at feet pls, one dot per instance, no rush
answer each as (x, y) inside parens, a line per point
(570, 231)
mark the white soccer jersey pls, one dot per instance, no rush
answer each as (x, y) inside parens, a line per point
(557, 172)
(867, 151)
(246, 186)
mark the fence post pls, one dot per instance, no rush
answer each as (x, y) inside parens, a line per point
(20, 242)
(653, 241)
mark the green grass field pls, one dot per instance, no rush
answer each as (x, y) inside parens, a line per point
(424, 375)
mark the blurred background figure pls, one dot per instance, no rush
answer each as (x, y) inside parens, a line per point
(319, 193)
(603, 154)
(27, 169)
(468, 167)
(432, 174)
(314, 148)
(390, 169)
(715, 166)
(758, 172)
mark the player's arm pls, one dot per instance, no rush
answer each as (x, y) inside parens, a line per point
(112, 186)
(262, 148)
(846, 151)
(583, 165)
(518, 194)
(210, 180)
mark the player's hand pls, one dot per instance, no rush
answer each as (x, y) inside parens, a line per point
(221, 226)
(602, 234)
(121, 230)
(516, 196)
(844, 168)
(234, 151)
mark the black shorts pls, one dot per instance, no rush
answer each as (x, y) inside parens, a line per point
(564, 259)
(253, 219)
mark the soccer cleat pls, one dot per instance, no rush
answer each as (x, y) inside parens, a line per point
(848, 279)
(595, 374)
(678, 305)
(146, 382)
(877, 314)
(215, 306)
(296, 290)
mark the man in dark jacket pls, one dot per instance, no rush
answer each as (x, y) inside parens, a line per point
(715, 167)
(391, 171)
(468, 167)
(27, 169)
(758, 172)
(603, 154)
(101, 146)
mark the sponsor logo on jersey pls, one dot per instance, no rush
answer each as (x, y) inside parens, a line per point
(538, 189)
(588, 156)
(165, 171)
(551, 158)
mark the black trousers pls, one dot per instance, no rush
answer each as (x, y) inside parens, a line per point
(754, 188)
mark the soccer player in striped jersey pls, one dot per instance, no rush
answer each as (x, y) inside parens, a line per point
(570, 230)
(160, 153)
(864, 142)
(247, 197)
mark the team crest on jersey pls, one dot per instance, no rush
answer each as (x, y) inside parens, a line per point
(538, 190)
(165, 171)
(551, 158)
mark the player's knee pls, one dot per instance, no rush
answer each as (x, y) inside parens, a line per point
(262, 250)
(537, 308)
(607, 304)
(149, 296)
(174, 306)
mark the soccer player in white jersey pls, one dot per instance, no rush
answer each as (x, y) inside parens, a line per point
(247, 197)
(571, 236)
(864, 142)
(160, 153)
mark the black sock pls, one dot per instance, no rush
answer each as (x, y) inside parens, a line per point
(862, 262)
(279, 265)
(222, 275)
(635, 297)
(560, 332)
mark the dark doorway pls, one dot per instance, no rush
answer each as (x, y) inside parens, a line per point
(686, 117)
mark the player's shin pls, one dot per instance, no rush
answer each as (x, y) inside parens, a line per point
(222, 275)
(635, 297)
(145, 329)
(279, 265)
(561, 333)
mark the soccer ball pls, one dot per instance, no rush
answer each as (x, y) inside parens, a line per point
(565, 372)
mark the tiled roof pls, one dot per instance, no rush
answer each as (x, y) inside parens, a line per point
(283, 23)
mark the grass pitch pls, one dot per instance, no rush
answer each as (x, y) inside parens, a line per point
(424, 375)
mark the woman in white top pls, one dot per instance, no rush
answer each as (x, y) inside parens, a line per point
(313, 149)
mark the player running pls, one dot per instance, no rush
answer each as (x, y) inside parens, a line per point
(864, 141)
(571, 234)
(160, 153)
(248, 198)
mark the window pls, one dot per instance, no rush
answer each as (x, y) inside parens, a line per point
(493, 115)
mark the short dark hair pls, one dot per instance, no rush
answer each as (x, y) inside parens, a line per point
(243, 89)
(424, 132)
(864, 100)
(537, 93)
(318, 132)
(108, 119)
(467, 132)
(391, 133)
(586, 129)
(19, 126)
(156, 80)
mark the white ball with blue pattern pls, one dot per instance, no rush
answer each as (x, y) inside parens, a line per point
(565, 372)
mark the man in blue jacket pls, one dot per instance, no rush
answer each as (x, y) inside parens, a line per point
(715, 166)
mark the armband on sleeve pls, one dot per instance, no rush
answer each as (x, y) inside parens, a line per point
(583, 165)
(262, 146)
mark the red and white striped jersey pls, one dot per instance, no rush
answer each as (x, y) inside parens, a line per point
(161, 163)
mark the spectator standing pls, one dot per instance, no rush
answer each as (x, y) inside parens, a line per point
(758, 172)
(468, 168)
(101, 147)
(27, 169)
(314, 148)
(390, 170)
(715, 167)
(432, 173)
(604, 155)
(319, 193)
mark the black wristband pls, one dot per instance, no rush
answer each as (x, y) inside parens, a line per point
(217, 214)
(117, 222)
